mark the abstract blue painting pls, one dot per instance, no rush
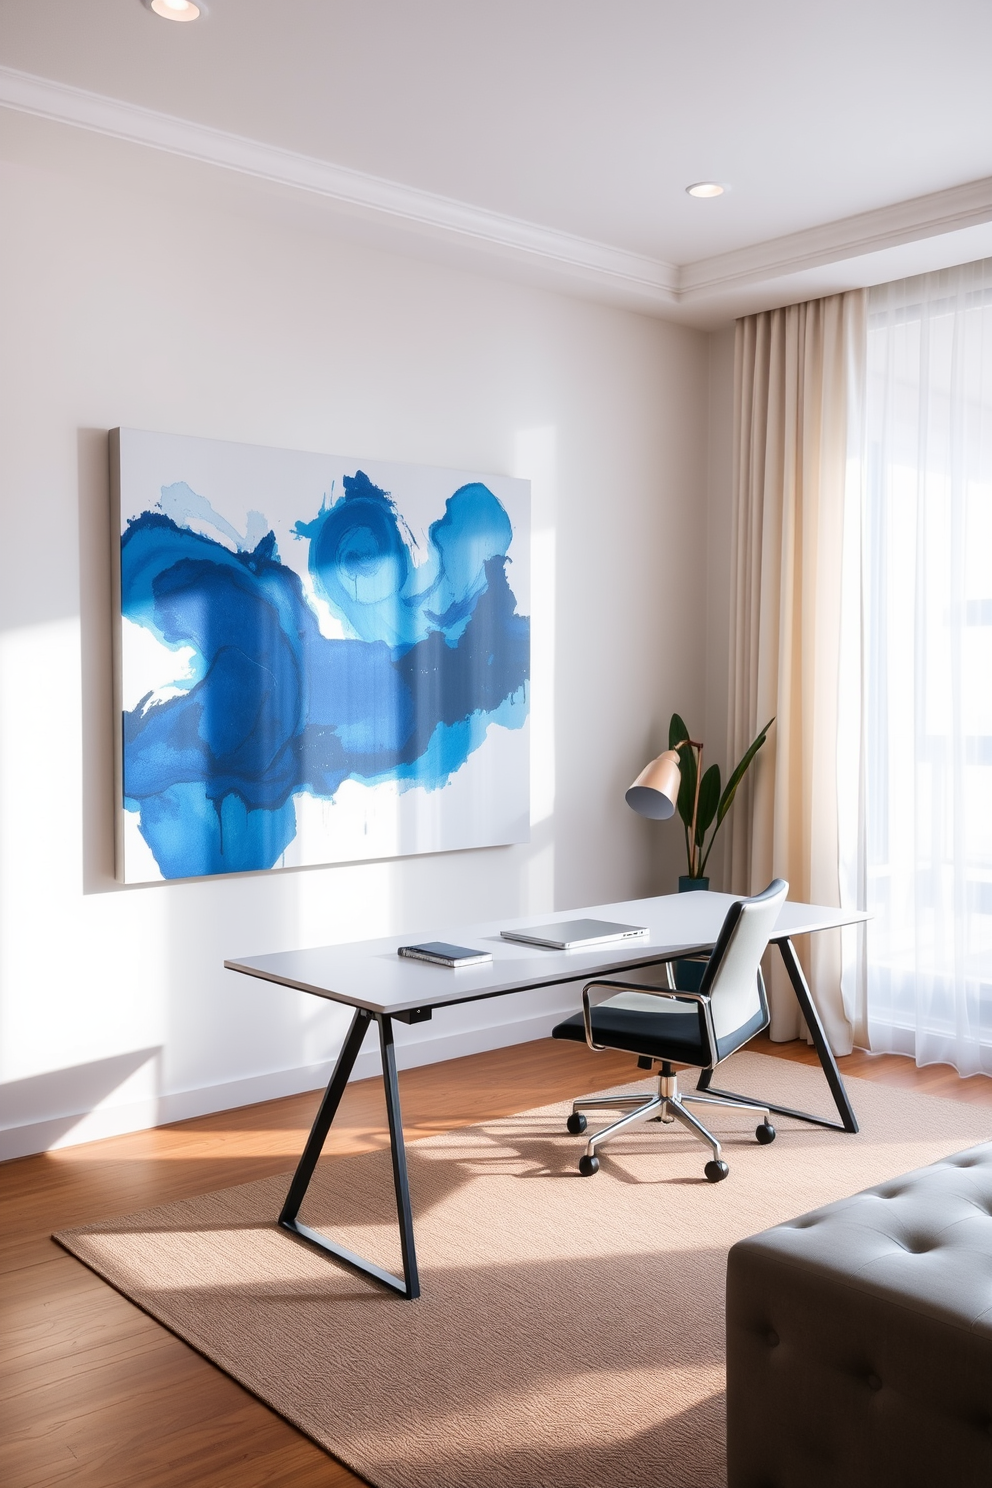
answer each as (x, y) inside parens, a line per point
(319, 660)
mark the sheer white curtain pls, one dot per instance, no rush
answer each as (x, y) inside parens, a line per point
(922, 855)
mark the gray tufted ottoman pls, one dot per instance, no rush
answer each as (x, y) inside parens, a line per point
(859, 1339)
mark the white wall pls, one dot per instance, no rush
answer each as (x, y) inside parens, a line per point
(719, 511)
(160, 312)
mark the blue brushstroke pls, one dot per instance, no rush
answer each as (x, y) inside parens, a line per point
(361, 564)
(435, 655)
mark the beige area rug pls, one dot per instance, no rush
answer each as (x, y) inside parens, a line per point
(570, 1333)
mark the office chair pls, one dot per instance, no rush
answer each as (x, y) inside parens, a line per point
(669, 1026)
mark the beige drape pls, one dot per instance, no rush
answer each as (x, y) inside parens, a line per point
(798, 391)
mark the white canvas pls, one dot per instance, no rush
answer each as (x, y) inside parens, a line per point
(319, 659)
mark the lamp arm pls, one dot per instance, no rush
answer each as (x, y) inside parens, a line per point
(694, 859)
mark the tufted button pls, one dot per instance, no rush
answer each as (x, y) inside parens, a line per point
(874, 1383)
(771, 1338)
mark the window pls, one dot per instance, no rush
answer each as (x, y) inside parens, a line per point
(927, 588)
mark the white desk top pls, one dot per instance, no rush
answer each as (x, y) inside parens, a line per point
(369, 974)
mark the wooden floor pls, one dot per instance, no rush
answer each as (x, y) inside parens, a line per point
(95, 1394)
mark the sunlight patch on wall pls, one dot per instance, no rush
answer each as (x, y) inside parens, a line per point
(536, 460)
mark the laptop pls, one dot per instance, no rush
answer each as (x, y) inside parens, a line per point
(570, 935)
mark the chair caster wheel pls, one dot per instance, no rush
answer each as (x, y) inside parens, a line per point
(588, 1165)
(765, 1133)
(716, 1171)
(576, 1123)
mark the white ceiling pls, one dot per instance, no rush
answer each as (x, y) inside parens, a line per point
(584, 118)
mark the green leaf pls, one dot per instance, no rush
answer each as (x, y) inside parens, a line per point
(687, 786)
(727, 800)
(709, 799)
(677, 731)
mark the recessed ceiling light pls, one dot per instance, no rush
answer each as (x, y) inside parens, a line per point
(706, 188)
(177, 10)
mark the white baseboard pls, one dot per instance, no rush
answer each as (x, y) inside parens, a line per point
(109, 1120)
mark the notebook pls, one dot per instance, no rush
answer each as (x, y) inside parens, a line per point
(440, 953)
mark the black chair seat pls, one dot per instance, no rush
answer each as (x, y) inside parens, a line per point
(676, 1033)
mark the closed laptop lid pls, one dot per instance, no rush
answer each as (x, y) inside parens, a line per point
(566, 935)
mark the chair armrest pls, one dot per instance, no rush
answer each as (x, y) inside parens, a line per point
(701, 998)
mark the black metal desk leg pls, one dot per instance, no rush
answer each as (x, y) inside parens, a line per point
(400, 1181)
(409, 1287)
(325, 1115)
(826, 1055)
(848, 1121)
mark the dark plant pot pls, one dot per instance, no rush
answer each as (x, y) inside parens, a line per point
(689, 974)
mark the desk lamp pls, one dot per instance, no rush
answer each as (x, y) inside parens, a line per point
(675, 781)
(655, 792)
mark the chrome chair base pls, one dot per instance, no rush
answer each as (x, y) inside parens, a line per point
(667, 1105)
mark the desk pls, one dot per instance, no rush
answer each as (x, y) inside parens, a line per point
(381, 986)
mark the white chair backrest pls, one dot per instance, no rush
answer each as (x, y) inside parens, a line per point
(731, 976)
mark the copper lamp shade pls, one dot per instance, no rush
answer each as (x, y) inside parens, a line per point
(656, 790)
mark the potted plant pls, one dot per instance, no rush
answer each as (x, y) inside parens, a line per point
(701, 804)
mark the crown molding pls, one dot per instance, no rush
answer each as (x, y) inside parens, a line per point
(718, 285)
(370, 196)
(940, 213)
